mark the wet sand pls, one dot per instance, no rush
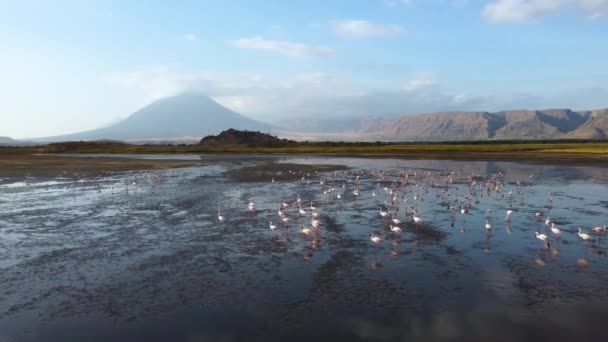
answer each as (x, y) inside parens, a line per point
(50, 165)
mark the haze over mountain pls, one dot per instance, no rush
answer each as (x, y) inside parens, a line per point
(187, 115)
(512, 124)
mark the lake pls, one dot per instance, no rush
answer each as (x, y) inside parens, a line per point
(142, 255)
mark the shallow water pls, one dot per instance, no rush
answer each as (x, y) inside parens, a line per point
(141, 255)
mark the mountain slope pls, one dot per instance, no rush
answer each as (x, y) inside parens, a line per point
(184, 115)
(596, 126)
(438, 126)
(504, 125)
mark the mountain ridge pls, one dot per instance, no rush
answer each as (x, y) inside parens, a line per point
(480, 125)
(190, 116)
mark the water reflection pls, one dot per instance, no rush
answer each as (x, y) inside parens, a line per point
(83, 258)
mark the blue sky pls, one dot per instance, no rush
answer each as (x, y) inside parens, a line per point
(75, 65)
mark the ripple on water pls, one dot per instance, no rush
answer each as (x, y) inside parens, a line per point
(123, 263)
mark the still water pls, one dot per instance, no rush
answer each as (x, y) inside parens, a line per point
(142, 256)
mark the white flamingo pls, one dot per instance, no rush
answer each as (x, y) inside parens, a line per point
(272, 226)
(396, 229)
(554, 229)
(220, 217)
(509, 215)
(542, 237)
(582, 235)
(375, 238)
(383, 213)
(306, 231)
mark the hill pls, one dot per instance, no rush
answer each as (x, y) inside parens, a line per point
(237, 138)
(176, 117)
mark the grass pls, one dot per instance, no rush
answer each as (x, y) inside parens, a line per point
(461, 150)
(22, 164)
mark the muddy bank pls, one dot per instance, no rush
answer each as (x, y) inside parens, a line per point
(46, 165)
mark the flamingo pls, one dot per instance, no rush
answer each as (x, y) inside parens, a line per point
(396, 229)
(542, 237)
(582, 235)
(509, 214)
(417, 219)
(302, 211)
(548, 221)
(396, 220)
(375, 238)
(272, 226)
(251, 205)
(488, 225)
(600, 229)
(306, 231)
(383, 213)
(554, 229)
(220, 217)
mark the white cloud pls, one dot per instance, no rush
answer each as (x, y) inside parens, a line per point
(595, 8)
(190, 37)
(286, 48)
(395, 3)
(319, 94)
(520, 10)
(408, 3)
(364, 28)
(421, 81)
(526, 10)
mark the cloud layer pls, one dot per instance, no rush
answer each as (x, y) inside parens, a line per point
(286, 48)
(364, 28)
(324, 95)
(525, 10)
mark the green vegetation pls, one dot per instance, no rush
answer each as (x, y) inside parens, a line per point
(456, 150)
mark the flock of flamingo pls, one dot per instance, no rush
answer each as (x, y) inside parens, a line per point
(407, 189)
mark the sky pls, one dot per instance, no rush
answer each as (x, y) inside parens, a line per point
(68, 66)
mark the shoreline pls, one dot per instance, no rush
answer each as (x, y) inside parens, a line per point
(15, 165)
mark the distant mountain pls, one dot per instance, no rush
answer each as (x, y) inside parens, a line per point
(513, 124)
(238, 138)
(6, 141)
(595, 127)
(176, 117)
